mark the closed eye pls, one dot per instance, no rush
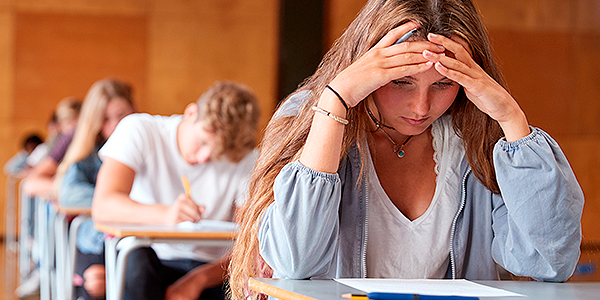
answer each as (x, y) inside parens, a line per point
(444, 84)
(399, 82)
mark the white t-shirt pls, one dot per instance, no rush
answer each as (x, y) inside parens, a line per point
(400, 248)
(148, 145)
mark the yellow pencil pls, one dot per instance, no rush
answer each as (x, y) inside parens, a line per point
(355, 296)
(186, 186)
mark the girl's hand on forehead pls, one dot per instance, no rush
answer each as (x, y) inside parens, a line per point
(481, 89)
(385, 62)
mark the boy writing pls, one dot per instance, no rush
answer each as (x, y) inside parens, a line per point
(140, 182)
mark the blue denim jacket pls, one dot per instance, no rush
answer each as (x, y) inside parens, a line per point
(316, 227)
(77, 190)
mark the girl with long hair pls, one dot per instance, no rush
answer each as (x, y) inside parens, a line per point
(407, 159)
(106, 103)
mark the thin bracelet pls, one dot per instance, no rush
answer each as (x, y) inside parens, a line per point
(336, 118)
(339, 97)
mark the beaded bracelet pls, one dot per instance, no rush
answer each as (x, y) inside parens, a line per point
(339, 97)
(336, 118)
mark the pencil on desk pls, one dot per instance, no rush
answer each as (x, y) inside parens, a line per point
(186, 186)
(354, 296)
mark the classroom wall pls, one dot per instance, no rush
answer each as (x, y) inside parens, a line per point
(169, 50)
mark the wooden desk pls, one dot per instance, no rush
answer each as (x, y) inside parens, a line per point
(66, 246)
(144, 236)
(331, 290)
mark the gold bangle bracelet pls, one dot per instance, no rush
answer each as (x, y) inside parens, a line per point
(336, 118)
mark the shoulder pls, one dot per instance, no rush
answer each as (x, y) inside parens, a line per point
(140, 123)
(291, 106)
(250, 158)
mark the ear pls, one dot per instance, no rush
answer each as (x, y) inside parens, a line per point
(191, 112)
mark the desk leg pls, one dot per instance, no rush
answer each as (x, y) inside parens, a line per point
(121, 265)
(44, 253)
(52, 213)
(25, 245)
(62, 255)
(72, 259)
(110, 249)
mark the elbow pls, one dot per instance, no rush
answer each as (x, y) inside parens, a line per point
(292, 262)
(98, 210)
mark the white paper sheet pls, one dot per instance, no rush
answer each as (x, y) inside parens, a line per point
(208, 225)
(444, 287)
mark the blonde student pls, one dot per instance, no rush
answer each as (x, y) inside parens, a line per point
(211, 144)
(407, 158)
(40, 181)
(106, 103)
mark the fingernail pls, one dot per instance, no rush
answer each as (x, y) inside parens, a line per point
(441, 47)
(432, 35)
(438, 64)
(429, 63)
(428, 53)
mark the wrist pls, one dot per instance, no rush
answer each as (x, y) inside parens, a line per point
(515, 127)
(330, 102)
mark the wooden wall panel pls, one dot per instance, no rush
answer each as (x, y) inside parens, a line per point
(83, 6)
(339, 14)
(8, 144)
(195, 45)
(541, 77)
(222, 8)
(524, 15)
(586, 110)
(61, 55)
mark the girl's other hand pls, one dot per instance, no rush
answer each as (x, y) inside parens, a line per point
(481, 89)
(383, 63)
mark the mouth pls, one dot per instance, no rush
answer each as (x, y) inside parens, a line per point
(414, 121)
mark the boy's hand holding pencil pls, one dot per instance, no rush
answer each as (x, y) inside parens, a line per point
(184, 208)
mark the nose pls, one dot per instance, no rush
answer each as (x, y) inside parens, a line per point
(420, 103)
(203, 157)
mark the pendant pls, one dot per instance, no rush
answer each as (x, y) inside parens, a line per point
(400, 153)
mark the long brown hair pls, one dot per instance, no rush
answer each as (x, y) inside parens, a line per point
(285, 136)
(90, 121)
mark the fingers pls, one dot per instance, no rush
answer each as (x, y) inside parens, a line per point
(408, 70)
(393, 35)
(415, 47)
(460, 50)
(187, 210)
(453, 69)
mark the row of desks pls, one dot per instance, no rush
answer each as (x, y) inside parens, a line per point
(59, 240)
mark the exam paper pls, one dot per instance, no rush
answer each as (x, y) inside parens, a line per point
(442, 287)
(208, 225)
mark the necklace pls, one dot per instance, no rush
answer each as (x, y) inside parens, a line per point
(398, 149)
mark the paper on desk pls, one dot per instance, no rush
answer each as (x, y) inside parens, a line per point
(442, 287)
(208, 225)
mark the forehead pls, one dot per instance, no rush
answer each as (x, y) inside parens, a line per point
(202, 130)
(429, 76)
(117, 103)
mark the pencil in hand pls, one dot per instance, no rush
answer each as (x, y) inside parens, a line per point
(186, 186)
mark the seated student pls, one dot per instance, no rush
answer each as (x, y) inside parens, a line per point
(41, 178)
(17, 164)
(41, 151)
(39, 182)
(106, 103)
(436, 174)
(140, 182)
